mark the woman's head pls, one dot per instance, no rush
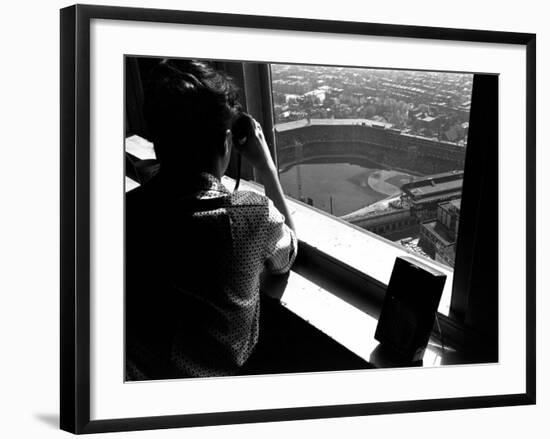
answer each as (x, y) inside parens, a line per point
(189, 108)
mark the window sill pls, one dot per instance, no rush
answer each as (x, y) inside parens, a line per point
(309, 297)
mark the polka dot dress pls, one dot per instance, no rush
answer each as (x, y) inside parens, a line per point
(217, 328)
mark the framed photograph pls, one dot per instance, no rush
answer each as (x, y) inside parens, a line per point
(276, 218)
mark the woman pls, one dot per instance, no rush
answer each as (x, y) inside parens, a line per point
(194, 250)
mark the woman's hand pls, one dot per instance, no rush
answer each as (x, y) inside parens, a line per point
(254, 147)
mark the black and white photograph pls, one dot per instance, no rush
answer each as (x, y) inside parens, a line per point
(271, 219)
(242, 177)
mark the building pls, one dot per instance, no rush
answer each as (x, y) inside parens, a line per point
(393, 222)
(438, 236)
(426, 194)
(428, 208)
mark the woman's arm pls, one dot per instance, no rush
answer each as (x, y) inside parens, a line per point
(274, 191)
(254, 148)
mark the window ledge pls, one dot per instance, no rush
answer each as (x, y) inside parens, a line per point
(345, 323)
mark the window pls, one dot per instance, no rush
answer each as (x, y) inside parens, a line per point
(372, 146)
(469, 186)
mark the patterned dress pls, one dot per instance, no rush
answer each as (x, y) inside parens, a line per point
(193, 265)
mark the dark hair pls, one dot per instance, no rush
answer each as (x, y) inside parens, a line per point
(188, 107)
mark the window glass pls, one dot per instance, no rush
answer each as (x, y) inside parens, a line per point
(381, 149)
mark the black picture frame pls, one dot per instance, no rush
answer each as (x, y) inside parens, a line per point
(75, 217)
